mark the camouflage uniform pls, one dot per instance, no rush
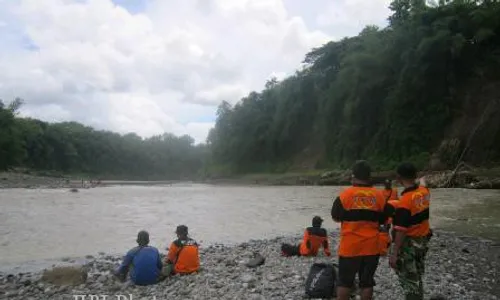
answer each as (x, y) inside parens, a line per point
(410, 266)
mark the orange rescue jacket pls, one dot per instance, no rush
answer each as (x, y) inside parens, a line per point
(314, 238)
(360, 209)
(384, 242)
(184, 255)
(412, 212)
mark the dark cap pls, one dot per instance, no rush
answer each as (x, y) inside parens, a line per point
(182, 230)
(317, 221)
(361, 170)
(143, 238)
(407, 171)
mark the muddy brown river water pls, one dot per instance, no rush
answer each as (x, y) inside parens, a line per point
(41, 224)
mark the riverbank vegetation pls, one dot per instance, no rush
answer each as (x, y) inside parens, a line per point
(424, 89)
(72, 148)
(416, 90)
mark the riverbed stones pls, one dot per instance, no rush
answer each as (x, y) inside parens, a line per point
(449, 273)
(73, 275)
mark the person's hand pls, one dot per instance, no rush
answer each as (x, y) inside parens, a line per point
(393, 260)
(120, 276)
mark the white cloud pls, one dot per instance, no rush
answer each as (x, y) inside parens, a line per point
(351, 16)
(164, 69)
(230, 93)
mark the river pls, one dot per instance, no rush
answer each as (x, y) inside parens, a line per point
(44, 224)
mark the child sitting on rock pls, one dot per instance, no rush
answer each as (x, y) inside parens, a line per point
(314, 238)
(183, 256)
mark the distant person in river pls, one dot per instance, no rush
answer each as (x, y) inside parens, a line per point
(389, 192)
(315, 237)
(411, 224)
(142, 262)
(391, 196)
(183, 256)
(360, 209)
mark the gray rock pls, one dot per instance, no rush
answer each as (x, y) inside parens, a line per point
(246, 278)
(449, 272)
(11, 294)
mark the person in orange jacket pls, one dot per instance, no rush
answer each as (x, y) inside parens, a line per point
(315, 237)
(183, 256)
(413, 232)
(360, 209)
(390, 193)
(391, 196)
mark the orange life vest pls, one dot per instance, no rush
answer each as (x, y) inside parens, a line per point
(412, 213)
(384, 243)
(359, 232)
(314, 238)
(184, 255)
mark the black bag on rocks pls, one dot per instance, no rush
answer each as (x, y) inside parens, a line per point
(320, 282)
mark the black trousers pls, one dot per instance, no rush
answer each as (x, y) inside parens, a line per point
(290, 250)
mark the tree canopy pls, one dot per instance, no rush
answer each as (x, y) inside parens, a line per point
(70, 147)
(404, 92)
(386, 94)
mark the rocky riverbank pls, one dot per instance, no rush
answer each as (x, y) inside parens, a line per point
(27, 181)
(457, 268)
(463, 178)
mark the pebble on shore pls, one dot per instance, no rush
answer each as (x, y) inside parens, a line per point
(450, 272)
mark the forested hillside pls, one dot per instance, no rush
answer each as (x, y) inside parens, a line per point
(424, 89)
(415, 90)
(72, 148)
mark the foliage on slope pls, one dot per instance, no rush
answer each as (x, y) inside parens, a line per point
(386, 95)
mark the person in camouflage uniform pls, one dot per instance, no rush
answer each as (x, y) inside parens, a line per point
(410, 266)
(412, 233)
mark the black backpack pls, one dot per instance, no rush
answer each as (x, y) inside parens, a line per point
(320, 282)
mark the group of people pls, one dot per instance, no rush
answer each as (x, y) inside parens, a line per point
(371, 221)
(365, 214)
(144, 265)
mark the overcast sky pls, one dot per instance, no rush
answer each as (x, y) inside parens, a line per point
(154, 66)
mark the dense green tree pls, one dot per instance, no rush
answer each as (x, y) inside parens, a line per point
(70, 147)
(385, 95)
(11, 147)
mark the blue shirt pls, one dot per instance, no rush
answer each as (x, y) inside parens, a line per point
(146, 265)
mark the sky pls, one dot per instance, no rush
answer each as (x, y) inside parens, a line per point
(154, 66)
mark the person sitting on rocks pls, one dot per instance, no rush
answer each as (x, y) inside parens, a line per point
(314, 238)
(183, 256)
(143, 262)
